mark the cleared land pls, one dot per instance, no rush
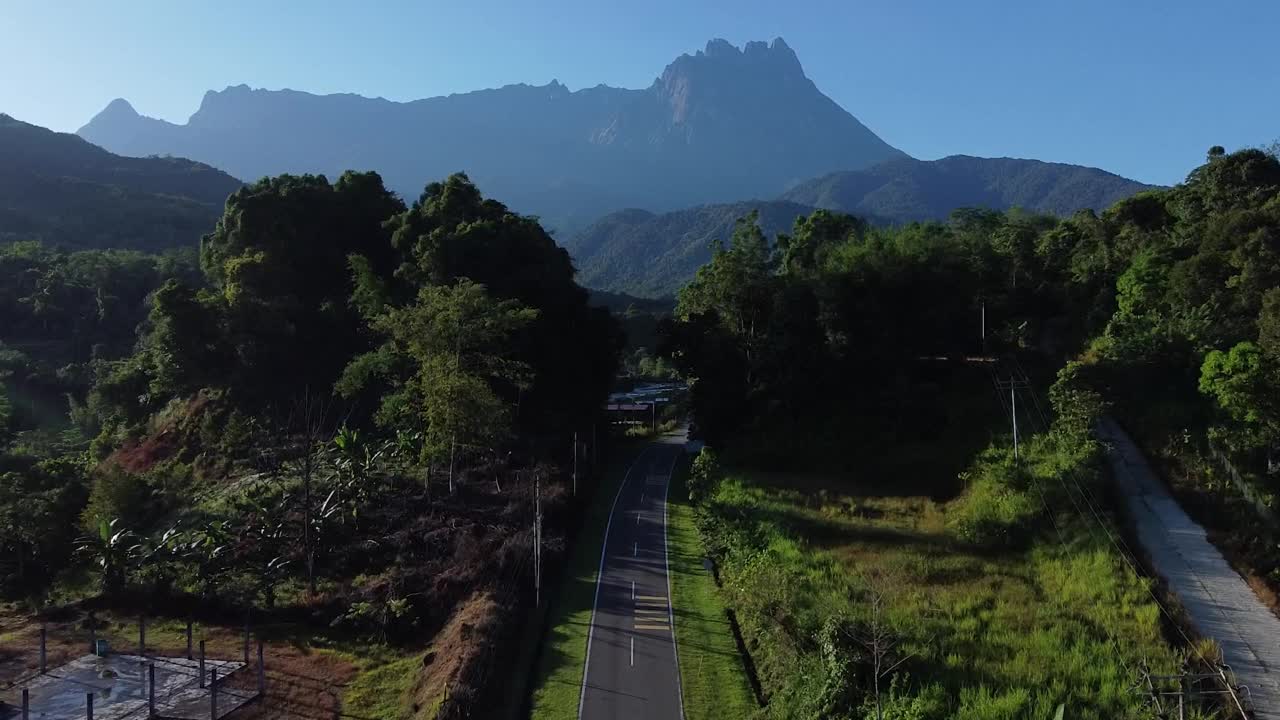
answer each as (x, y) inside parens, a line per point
(1042, 613)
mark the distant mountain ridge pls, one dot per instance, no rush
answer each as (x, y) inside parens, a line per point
(719, 125)
(653, 255)
(58, 188)
(907, 189)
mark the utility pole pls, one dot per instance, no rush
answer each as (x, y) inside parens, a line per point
(1013, 405)
(984, 327)
(1013, 385)
(575, 463)
(537, 540)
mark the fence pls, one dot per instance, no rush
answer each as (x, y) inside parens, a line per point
(118, 685)
(1246, 488)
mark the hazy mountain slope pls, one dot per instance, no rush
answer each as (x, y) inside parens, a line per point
(59, 188)
(906, 189)
(716, 126)
(646, 255)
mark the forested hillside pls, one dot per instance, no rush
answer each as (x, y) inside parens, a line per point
(653, 255)
(904, 189)
(60, 189)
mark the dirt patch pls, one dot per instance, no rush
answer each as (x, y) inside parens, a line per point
(458, 658)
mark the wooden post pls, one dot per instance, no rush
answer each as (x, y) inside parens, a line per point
(202, 664)
(189, 640)
(26, 704)
(262, 671)
(213, 694)
(44, 638)
(151, 690)
(88, 700)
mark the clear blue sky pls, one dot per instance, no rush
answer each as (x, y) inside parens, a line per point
(1138, 87)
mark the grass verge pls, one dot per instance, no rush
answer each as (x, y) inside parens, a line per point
(712, 677)
(558, 674)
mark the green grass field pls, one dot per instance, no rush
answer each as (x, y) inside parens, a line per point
(712, 677)
(984, 632)
(558, 674)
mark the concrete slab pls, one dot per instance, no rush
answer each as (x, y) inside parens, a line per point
(119, 686)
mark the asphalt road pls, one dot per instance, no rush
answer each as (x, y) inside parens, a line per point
(632, 670)
(1219, 602)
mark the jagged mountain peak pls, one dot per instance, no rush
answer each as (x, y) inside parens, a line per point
(757, 57)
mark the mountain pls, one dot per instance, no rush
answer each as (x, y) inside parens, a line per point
(653, 255)
(719, 125)
(59, 188)
(905, 189)
(650, 255)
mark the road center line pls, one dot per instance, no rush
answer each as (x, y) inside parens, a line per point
(633, 651)
(635, 549)
(595, 604)
(633, 589)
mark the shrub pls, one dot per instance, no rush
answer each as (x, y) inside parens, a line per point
(704, 476)
(998, 508)
(116, 494)
(899, 703)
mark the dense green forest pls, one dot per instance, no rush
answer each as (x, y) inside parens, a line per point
(838, 372)
(1167, 297)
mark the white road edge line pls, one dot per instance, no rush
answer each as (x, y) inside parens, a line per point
(595, 605)
(666, 552)
(633, 651)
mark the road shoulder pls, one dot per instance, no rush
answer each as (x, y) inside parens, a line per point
(712, 677)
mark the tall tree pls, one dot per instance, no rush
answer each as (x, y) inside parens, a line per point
(446, 367)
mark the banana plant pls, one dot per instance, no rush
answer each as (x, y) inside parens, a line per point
(162, 554)
(111, 550)
(207, 549)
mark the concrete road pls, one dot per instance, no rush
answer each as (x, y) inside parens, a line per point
(632, 670)
(1220, 603)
